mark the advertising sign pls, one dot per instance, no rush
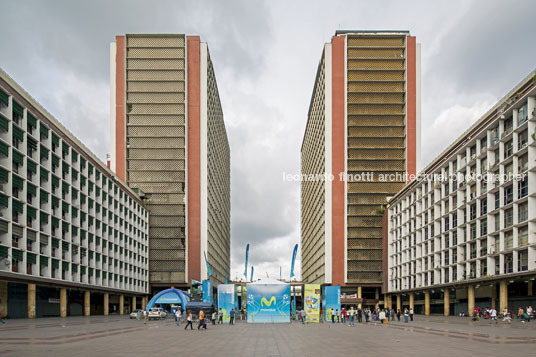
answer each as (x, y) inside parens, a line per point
(268, 303)
(331, 300)
(312, 302)
(207, 290)
(226, 300)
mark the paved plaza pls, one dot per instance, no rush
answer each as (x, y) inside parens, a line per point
(118, 336)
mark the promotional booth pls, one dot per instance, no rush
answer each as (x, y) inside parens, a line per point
(268, 301)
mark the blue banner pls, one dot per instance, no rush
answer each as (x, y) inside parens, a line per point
(209, 269)
(207, 290)
(268, 303)
(246, 267)
(293, 260)
(226, 300)
(251, 280)
(331, 300)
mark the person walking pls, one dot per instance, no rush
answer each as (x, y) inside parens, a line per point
(406, 315)
(411, 314)
(214, 317)
(202, 320)
(398, 314)
(493, 315)
(382, 316)
(359, 315)
(189, 320)
(338, 316)
(178, 316)
(220, 316)
(367, 315)
(351, 316)
(145, 313)
(232, 316)
(343, 315)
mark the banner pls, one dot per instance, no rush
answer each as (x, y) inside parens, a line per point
(268, 303)
(226, 300)
(331, 300)
(293, 260)
(246, 267)
(312, 302)
(251, 280)
(207, 290)
(209, 269)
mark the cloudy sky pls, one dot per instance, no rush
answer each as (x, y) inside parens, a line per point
(265, 55)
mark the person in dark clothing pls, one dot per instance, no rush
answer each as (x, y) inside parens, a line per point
(220, 317)
(359, 315)
(232, 316)
(189, 321)
(398, 314)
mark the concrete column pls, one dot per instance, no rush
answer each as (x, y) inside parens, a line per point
(106, 304)
(359, 296)
(63, 302)
(446, 302)
(398, 302)
(471, 299)
(503, 295)
(133, 307)
(529, 287)
(3, 297)
(121, 304)
(143, 302)
(31, 301)
(412, 301)
(427, 302)
(87, 303)
(493, 295)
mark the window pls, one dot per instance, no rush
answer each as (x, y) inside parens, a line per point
(508, 125)
(483, 206)
(523, 261)
(523, 163)
(497, 200)
(508, 217)
(508, 195)
(483, 144)
(508, 149)
(473, 231)
(483, 228)
(523, 187)
(523, 236)
(522, 115)
(509, 170)
(523, 212)
(522, 140)
(454, 220)
(508, 240)
(473, 211)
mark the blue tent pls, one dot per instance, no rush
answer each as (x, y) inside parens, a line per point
(169, 296)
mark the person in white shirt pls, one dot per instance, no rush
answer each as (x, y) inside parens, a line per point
(178, 316)
(493, 315)
(382, 316)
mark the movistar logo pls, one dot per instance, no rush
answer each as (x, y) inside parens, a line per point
(265, 302)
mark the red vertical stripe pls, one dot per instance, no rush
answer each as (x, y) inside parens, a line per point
(338, 130)
(194, 158)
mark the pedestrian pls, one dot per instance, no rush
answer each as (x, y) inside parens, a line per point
(382, 316)
(367, 315)
(332, 316)
(338, 316)
(359, 315)
(406, 315)
(1, 319)
(213, 318)
(220, 316)
(343, 315)
(304, 316)
(493, 315)
(520, 312)
(232, 316)
(145, 313)
(202, 320)
(411, 314)
(351, 316)
(178, 316)
(398, 314)
(189, 320)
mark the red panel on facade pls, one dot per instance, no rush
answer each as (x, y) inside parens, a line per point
(338, 130)
(120, 110)
(194, 157)
(411, 99)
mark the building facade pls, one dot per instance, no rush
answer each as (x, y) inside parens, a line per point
(362, 127)
(464, 235)
(169, 141)
(73, 237)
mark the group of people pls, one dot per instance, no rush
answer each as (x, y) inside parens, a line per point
(491, 313)
(202, 318)
(352, 314)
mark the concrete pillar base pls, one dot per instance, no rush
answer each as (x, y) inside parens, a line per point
(412, 301)
(106, 304)
(503, 295)
(63, 302)
(121, 304)
(87, 303)
(427, 302)
(31, 301)
(471, 300)
(446, 302)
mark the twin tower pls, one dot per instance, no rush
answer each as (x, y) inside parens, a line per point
(169, 142)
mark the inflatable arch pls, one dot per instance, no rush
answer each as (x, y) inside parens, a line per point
(169, 296)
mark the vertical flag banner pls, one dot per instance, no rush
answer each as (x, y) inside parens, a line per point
(246, 267)
(226, 300)
(209, 269)
(207, 290)
(331, 300)
(312, 302)
(293, 260)
(251, 274)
